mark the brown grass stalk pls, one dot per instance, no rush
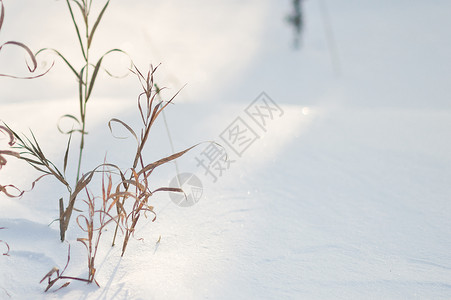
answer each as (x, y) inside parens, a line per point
(54, 275)
(140, 171)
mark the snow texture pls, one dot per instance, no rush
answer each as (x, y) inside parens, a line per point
(344, 194)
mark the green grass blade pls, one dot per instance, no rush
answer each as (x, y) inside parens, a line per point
(80, 95)
(66, 155)
(96, 70)
(63, 58)
(82, 9)
(97, 24)
(93, 78)
(76, 28)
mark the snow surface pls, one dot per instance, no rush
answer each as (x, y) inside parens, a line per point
(345, 196)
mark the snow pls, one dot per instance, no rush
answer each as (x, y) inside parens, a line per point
(344, 196)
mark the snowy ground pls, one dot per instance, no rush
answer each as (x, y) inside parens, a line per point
(344, 196)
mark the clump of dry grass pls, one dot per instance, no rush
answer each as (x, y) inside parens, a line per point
(93, 230)
(128, 198)
(149, 110)
(125, 195)
(88, 225)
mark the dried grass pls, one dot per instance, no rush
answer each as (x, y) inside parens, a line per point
(149, 110)
(125, 195)
(30, 55)
(6, 244)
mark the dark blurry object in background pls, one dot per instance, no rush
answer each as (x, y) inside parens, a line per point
(295, 19)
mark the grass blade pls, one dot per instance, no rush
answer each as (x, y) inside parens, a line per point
(80, 95)
(50, 273)
(66, 155)
(76, 28)
(97, 24)
(30, 53)
(158, 111)
(7, 247)
(8, 132)
(153, 165)
(123, 124)
(82, 10)
(69, 117)
(93, 78)
(8, 152)
(2, 14)
(96, 70)
(3, 189)
(169, 189)
(63, 58)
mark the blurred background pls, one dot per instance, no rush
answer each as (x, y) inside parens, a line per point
(312, 52)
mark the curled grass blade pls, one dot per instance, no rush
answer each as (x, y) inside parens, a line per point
(64, 59)
(9, 133)
(33, 59)
(3, 189)
(72, 117)
(29, 52)
(96, 70)
(114, 120)
(3, 160)
(25, 77)
(6, 189)
(109, 73)
(7, 247)
(117, 196)
(8, 152)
